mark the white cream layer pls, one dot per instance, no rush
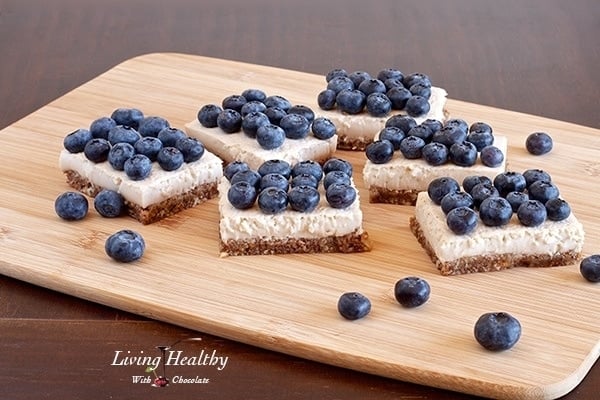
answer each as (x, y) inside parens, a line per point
(159, 186)
(239, 146)
(252, 223)
(549, 238)
(364, 126)
(403, 174)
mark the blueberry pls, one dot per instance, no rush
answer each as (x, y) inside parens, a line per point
(303, 198)
(351, 101)
(281, 167)
(170, 158)
(480, 127)
(398, 97)
(234, 167)
(295, 126)
(435, 153)
(96, 150)
(392, 134)
(275, 114)
(75, 141)
(480, 139)
(449, 135)
(538, 143)
(252, 107)
(127, 117)
(531, 213)
(270, 136)
(417, 106)
(439, 187)
(393, 83)
(353, 305)
(380, 151)
(378, 105)
(340, 195)
(456, 199)
(230, 121)
(273, 180)
(322, 128)
(411, 147)
(169, 136)
(412, 291)
(242, 195)
(534, 174)
(249, 176)
(191, 148)
(422, 131)
(369, 86)
(461, 220)
(557, 209)
(208, 114)
(308, 167)
(123, 134)
(336, 177)
(390, 73)
(590, 268)
(516, 199)
(358, 77)
(234, 102)
(71, 206)
(305, 111)
(495, 211)
(509, 181)
(326, 99)
(543, 191)
(272, 200)
(470, 181)
(109, 203)
(402, 122)
(491, 156)
(252, 121)
(278, 101)
(339, 84)
(151, 126)
(418, 89)
(138, 167)
(497, 331)
(125, 246)
(100, 127)
(337, 164)
(482, 191)
(416, 77)
(458, 123)
(305, 180)
(335, 72)
(119, 153)
(254, 95)
(463, 154)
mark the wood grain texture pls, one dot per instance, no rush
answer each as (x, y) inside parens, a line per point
(287, 303)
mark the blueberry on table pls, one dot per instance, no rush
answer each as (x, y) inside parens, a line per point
(557, 209)
(119, 153)
(138, 167)
(230, 121)
(412, 291)
(75, 141)
(394, 134)
(303, 198)
(170, 158)
(497, 331)
(151, 126)
(125, 246)
(532, 213)
(538, 143)
(417, 106)
(461, 220)
(100, 127)
(463, 154)
(351, 101)
(71, 206)
(281, 167)
(96, 150)
(491, 156)
(353, 305)
(380, 151)
(439, 187)
(109, 203)
(233, 167)
(127, 117)
(272, 200)
(340, 195)
(435, 153)
(242, 195)
(495, 211)
(270, 136)
(590, 268)
(191, 148)
(208, 114)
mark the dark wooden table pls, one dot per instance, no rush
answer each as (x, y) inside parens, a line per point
(539, 57)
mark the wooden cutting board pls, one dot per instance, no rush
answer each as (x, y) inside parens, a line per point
(288, 303)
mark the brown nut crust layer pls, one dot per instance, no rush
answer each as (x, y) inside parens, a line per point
(379, 194)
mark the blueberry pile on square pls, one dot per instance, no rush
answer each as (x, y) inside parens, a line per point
(435, 142)
(132, 142)
(277, 185)
(390, 89)
(268, 119)
(531, 196)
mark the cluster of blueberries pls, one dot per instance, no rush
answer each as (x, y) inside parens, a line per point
(354, 92)
(268, 119)
(277, 184)
(531, 195)
(132, 142)
(436, 142)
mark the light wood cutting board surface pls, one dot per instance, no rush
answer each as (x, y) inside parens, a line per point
(288, 303)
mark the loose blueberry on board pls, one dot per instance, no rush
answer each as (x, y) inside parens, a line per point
(535, 174)
(125, 246)
(497, 331)
(138, 167)
(509, 181)
(234, 167)
(482, 191)
(272, 200)
(303, 198)
(295, 126)
(242, 195)
(380, 151)
(252, 121)
(543, 191)
(119, 153)
(358, 77)
(538, 143)
(495, 211)
(398, 97)
(516, 199)
(303, 110)
(270, 136)
(335, 72)
(308, 167)
(456, 199)
(127, 117)
(411, 147)
(417, 106)
(148, 146)
(230, 121)
(305, 180)
(557, 209)
(461, 220)
(247, 175)
(281, 167)
(337, 164)
(439, 187)
(463, 154)
(273, 180)
(109, 203)
(96, 150)
(393, 134)
(151, 126)
(336, 177)
(378, 105)
(590, 268)
(340, 195)
(353, 305)
(435, 153)
(278, 101)
(351, 101)
(191, 148)
(252, 107)
(531, 213)
(100, 127)
(75, 141)
(470, 181)
(71, 206)
(253, 94)
(170, 158)
(326, 99)
(491, 156)
(412, 291)
(208, 115)
(234, 102)
(123, 134)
